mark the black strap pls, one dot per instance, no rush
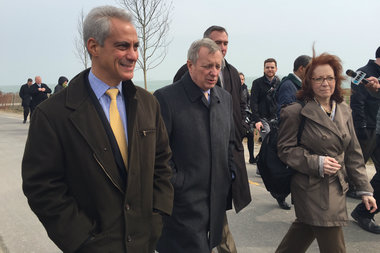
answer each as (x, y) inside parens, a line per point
(302, 124)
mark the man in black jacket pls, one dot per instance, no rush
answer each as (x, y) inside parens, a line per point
(364, 111)
(262, 102)
(264, 108)
(229, 80)
(26, 98)
(38, 92)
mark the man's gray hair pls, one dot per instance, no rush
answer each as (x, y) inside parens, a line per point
(97, 23)
(193, 53)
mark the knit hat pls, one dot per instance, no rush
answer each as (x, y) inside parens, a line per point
(62, 79)
(378, 53)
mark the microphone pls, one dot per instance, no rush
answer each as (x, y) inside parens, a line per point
(357, 77)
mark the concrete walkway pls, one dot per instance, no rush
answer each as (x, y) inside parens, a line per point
(258, 228)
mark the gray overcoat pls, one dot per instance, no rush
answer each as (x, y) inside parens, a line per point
(321, 201)
(200, 136)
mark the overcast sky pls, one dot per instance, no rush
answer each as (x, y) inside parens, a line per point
(37, 37)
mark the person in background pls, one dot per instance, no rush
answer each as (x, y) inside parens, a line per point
(62, 83)
(264, 108)
(365, 106)
(26, 98)
(95, 168)
(319, 184)
(249, 134)
(286, 94)
(39, 92)
(287, 89)
(198, 118)
(262, 97)
(230, 81)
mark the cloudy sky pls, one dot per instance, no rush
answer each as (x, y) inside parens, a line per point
(37, 37)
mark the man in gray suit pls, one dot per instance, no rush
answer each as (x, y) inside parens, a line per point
(199, 120)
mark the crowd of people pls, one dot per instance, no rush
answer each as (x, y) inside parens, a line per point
(118, 169)
(32, 94)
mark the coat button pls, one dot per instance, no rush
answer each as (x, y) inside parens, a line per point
(105, 149)
(127, 207)
(324, 137)
(129, 238)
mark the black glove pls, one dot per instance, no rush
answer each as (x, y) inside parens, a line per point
(361, 133)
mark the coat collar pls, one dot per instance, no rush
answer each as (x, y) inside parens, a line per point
(312, 111)
(194, 92)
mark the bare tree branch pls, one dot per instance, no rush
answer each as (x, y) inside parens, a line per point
(152, 21)
(80, 48)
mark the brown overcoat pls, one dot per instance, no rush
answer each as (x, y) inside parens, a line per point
(321, 201)
(74, 184)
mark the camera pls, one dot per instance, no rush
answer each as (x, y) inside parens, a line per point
(248, 121)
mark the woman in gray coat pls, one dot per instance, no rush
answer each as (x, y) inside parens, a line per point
(327, 154)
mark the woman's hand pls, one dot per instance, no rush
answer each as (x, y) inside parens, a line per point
(370, 203)
(330, 166)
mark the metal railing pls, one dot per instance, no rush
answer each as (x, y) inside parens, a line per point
(10, 101)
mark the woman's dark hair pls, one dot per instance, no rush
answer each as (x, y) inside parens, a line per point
(306, 93)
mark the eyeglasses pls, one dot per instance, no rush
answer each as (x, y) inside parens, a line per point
(320, 80)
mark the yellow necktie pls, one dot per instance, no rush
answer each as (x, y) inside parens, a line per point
(117, 125)
(206, 96)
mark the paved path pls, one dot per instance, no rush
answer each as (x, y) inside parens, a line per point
(257, 229)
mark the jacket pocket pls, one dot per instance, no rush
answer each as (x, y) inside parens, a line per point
(147, 132)
(178, 178)
(110, 241)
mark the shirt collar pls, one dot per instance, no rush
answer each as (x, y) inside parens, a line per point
(299, 79)
(99, 87)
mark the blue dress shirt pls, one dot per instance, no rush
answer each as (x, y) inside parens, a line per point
(100, 88)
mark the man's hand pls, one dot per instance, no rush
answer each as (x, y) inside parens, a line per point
(370, 203)
(373, 84)
(259, 125)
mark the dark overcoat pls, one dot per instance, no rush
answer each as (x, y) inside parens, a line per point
(241, 195)
(25, 95)
(38, 96)
(73, 181)
(321, 201)
(201, 139)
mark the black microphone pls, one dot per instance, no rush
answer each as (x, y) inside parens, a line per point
(357, 77)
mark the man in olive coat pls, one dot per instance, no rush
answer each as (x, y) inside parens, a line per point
(74, 175)
(198, 118)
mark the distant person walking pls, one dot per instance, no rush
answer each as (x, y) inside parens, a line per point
(62, 83)
(39, 93)
(249, 134)
(26, 98)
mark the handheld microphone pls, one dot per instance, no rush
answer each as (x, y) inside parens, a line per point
(357, 77)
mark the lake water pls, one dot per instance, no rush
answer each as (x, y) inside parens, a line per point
(152, 85)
